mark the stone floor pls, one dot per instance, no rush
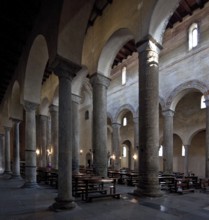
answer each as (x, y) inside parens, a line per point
(19, 204)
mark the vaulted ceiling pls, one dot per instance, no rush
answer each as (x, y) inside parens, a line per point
(17, 18)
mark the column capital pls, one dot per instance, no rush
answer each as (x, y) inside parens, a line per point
(53, 108)
(97, 78)
(30, 106)
(148, 43)
(116, 125)
(76, 98)
(65, 68)
(15, 120)
(6, 128)
(168, 113)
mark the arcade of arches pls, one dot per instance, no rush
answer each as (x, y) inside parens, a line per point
(67, 104)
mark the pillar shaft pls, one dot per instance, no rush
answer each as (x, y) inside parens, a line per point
(186, 160)
(116, 145)
(30, 145)
(7, 150)
(207, 141)
(148, 119)
(100, 84)
(76, 137)
(16, 153)
(65, 70)
(54, 135)
(168, 141)
(1, 153)
(43, 123)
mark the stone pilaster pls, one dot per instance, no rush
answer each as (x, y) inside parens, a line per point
(76, 138)
(16, 153)
(54, 134)
(207, 140)
(149, 119)
(100, 84)
(65, 70)
(168, 141)
(186, 160)
(116, 145)
(30, 145)
(43, 120)
(7, 151)
(1, 153)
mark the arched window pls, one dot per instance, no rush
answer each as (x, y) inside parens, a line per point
(183, 151)
(202, 104)
(193, 36)
(160, 152)
(124, 75)
(124, 151)
(124, 121)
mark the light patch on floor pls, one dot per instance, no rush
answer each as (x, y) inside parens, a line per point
(206, 208)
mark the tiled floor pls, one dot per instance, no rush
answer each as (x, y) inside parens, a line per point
(19, 204)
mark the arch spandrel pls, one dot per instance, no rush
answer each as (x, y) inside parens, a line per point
(15, 108)
(36, 64)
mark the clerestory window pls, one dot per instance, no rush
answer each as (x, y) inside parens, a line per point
(193, 36)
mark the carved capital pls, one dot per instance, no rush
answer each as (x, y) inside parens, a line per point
(64, 68)
(97, 78)
(168, 113)
(116, 125)
(30, 106)
(53, 108)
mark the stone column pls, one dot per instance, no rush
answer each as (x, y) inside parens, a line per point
(116, 145)
(76, 134)
(207, 140)
(30, 145)
(7, 151)
(65, 70)
(100, 84)
(43, 120)
(16, 153)
(186, 160)
(168, 141)
(148, 119)
(54, 134)
(1, 153)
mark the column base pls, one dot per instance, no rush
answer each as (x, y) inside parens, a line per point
(148, 193)
(16, 177)
(29, 185)
(62, 205)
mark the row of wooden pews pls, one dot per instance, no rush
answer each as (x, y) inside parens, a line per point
(84, 185)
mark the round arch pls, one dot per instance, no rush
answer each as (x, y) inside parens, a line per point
(111, 48)
(36, 64)
(123, 110)
(160, 16)
(182, 90)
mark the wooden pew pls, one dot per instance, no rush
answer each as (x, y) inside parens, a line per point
(103, 188)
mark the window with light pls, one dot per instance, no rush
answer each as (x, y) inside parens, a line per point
(124, 121)
(124, 151)
(183, 151)
(124, 70)
(202, 104)
(193, 36)
(160, 152)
